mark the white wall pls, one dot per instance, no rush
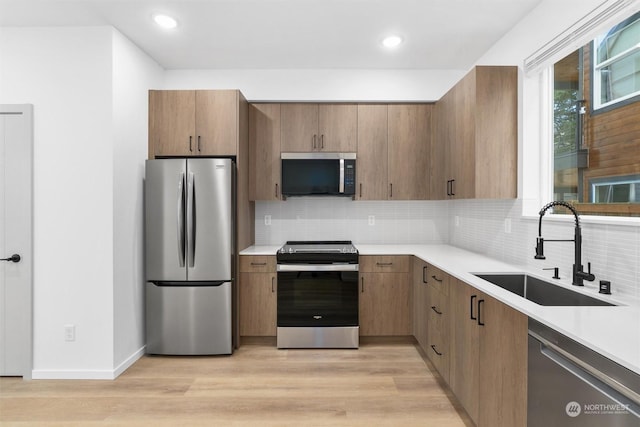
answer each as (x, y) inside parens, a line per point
(133, 74)
(66, 74)
(89, 91)
(321, 85)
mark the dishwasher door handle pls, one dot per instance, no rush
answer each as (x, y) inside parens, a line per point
(619, 394)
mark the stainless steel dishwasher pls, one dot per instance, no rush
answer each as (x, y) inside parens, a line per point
(572, 385)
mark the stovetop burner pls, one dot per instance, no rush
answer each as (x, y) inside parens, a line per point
(323, 251)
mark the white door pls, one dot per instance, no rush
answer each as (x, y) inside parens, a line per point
(16, 219)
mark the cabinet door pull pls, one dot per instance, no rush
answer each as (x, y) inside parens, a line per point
(436, 279)
(424, 272)
(434, 308)
(433, 347)
(258, 263)
(322, 142)
(272, 287)
(360, 190)
(471, 306)
(190, 143)
(362, 285)
(314, 142)
(384, 264)
(276, 190)
(480, 322)
(453, 193)
(390, 190)
(199, 145)
(448, 190)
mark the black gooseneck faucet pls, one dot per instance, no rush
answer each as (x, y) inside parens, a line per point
(578, 274)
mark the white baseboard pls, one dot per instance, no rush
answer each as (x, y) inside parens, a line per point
(76, 374)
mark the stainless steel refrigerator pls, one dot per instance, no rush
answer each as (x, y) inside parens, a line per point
(189, 250)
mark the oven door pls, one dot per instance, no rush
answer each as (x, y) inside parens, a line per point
(317, 295)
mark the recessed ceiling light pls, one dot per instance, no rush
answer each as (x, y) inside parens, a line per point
(165, 21)
(392, 41)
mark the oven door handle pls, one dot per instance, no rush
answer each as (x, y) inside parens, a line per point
(317, 267)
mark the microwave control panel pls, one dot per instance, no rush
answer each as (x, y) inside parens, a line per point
(350, 177)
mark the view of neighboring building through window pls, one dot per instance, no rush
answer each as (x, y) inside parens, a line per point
(596, 123)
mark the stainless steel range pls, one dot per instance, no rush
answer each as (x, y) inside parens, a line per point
(317, 295)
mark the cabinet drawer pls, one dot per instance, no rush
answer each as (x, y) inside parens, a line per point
(437, 279)
(384, 264)
(257, 264)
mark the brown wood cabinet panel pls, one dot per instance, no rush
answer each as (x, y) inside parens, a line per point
(216, 122)
(264, 149)
(420, 302)
(384, 304)
(438, 326)
(439, 150)
(299, 127)
(338, 127)
(503, 365)
(385, 263)
(372, 152)
(257, 264)
(171, 122)
(409, 139)
(258, 302)
(464, 368)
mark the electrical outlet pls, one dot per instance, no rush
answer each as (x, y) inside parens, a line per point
(372, 220)
(267, 220)
(69, 332)
(507, 225)
(456, 220)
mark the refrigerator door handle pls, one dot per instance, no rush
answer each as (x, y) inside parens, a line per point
(191, 219)
(180, 217)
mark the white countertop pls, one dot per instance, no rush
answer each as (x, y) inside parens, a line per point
(611, 331)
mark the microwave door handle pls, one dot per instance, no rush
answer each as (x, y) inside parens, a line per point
(341, 180)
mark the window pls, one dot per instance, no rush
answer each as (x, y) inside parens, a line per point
(616, 63)
(596, 136)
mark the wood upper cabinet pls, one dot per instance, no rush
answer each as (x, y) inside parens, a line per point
(258, 296)
(264, 149)
(488, 369)
(476, 136)
(372, 163)
(319, 127)
(194, 123)
(384, 295)
(409, 140)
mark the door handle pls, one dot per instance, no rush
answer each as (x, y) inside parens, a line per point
(434, 308)
(433, 347)
(471, 307)
(424, 271)
(180, 218)
(12, 258)
(480, 322)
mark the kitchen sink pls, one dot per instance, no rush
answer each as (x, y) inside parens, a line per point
(540, 291)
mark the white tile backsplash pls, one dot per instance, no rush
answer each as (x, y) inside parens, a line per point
(613, 250)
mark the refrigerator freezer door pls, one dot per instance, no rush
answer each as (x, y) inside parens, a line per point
(210, 211)
(188, 320)
(165, 196)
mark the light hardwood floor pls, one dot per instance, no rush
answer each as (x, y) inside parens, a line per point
(384, 383)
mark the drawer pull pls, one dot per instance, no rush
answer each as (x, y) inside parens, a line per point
(272, 287)
(384, 264)
(424, 272)
(434, 308)
(258, 263)
(436, 279)
(433, 347)
(362, 285)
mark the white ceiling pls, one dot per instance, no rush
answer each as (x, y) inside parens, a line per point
(275, 34)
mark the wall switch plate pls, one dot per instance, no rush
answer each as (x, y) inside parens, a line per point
(372, 220)
(507, 225)
(267, 220)
(69, 332)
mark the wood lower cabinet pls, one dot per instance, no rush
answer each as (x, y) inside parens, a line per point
(438, 320)
(420, 302)
(258, 296)
(319, 127)
(488, 367)
(384, 296)
(264, 146)
(194, 122)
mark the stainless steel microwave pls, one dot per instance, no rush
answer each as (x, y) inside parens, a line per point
(318, 174)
